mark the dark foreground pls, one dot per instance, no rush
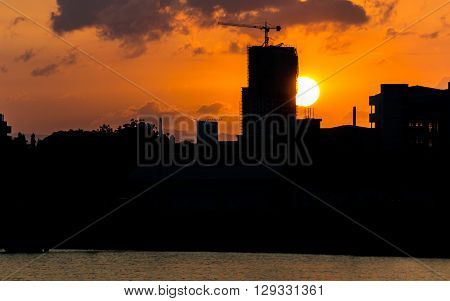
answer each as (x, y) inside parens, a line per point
(77, 190)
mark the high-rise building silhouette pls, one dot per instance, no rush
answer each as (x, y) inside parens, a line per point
(411, 116)
(272, 86)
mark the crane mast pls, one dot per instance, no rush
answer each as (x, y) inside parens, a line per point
(266, 27)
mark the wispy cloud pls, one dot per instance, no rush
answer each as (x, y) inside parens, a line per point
(337, 45)
(26, 56)
(45, 71)
(70, 59)
(214, 108)
(391, 32)
(194, 50)
(17, 20)
(432, 35)
(235, 47)
(50, 69)
(384, 9)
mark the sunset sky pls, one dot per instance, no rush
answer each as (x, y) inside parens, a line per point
(175, 50)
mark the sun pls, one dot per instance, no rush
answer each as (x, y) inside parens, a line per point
(308, 91)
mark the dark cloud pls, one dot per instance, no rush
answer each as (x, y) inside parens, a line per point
(287, 12)
(153, 109)
(133, 22)
(334, 44)
(26, 56)
(150, 108)
(194, 50)
(391, 32)
(234, 47)
(384, 9)
(136, 22)
(3, 69)
(432, 35)
(68, 60)
(45, 71)
(214, 108)
(199, 51)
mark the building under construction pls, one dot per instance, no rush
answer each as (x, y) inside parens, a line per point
(272, 87)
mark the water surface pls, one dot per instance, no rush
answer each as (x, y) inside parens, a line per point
(87, 265)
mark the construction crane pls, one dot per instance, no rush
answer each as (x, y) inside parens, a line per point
(266, 27)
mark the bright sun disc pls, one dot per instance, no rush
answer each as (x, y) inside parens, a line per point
(308, 92)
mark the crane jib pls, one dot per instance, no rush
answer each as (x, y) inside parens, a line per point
(266, 27)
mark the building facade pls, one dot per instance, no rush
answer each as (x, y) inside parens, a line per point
(207, 131)
(272, 86)
(411, 117)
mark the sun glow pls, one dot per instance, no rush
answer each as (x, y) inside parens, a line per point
(308, 91)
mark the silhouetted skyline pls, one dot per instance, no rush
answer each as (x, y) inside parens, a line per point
(283, 183)
(200, 63)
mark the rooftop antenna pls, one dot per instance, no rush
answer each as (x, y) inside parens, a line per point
(266, 27)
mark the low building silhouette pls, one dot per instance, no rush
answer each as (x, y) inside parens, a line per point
(5, 130)
(411, 117)
(207, 131)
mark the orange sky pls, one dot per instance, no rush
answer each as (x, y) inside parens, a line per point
(198, 68)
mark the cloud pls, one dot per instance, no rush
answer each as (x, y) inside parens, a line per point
(136, 22)
(199, 50)
(153, 109)
(3, 69)
(70, 59)
(176, 123)
(214, 108)
(17, 20)
(50, 69)
(382, 10)
(444, 22)
(234, 47)
(26, 56)
(45, 71)
(336, 45)
(391, 32)
(361, 117)
(133, 22)
(289, 12)
(443, 83)
(432, 35)
(150, 108)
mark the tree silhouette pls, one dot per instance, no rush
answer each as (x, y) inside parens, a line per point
(20, 139)
(33, 140)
